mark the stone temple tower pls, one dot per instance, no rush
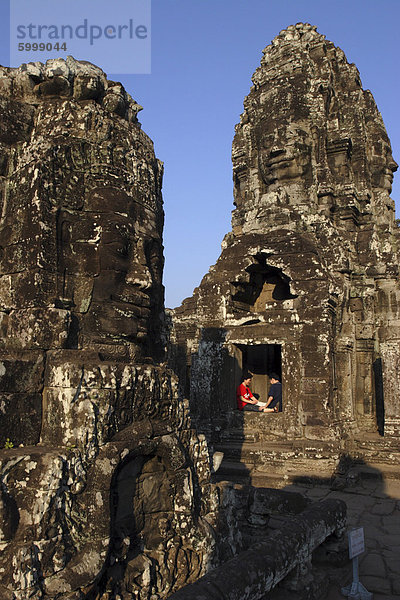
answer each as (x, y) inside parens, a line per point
(307, 284)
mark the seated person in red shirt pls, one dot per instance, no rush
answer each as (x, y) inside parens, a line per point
(246, 400)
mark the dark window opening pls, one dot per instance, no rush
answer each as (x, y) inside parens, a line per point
(379, 398)
(264, 285)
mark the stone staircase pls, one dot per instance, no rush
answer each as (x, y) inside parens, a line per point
(274, 464)
(257, 453)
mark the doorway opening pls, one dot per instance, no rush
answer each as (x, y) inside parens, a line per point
(261, 360)
(379, 398)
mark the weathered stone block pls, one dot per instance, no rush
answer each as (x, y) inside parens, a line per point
(35, 328)
(22, 373)
(72, 415)
(21, 418)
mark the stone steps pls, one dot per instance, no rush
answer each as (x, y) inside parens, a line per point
(276, 464)
(247, 426)
(377, 449)
(277, 477)
(267, 451)
(256, 449)
(376, 470)
(311, 474)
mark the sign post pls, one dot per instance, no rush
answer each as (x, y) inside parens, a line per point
(356, 589)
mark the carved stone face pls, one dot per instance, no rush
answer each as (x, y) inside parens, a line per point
(280, 164)
(284, 153)
(383, 165)
(81, 303)
(80, 257)
(109, 267)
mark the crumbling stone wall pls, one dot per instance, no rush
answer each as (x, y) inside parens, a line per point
(310, 268)
(106, 492)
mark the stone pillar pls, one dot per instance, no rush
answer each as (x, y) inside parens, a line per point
(390, 352)
(344, 382)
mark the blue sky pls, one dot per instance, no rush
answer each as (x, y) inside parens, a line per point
(203, 55)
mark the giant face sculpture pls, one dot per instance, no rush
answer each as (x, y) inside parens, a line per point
(301, 140)
(81, 305)
(283, 138)
(109, 267)
(383, 165)
(284, 156)
(95, 245)
(80, 232)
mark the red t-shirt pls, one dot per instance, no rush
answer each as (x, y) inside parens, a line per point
(244, 391)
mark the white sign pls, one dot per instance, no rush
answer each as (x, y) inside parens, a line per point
(114, 35)
(356, 542)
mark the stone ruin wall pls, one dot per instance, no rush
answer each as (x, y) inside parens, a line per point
(311, 264)
(106, 492)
